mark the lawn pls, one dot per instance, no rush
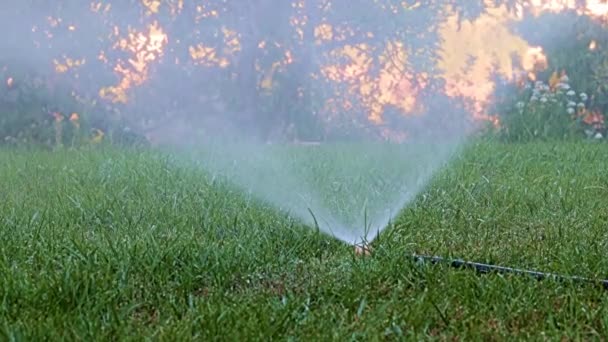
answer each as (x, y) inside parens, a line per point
(107, 244)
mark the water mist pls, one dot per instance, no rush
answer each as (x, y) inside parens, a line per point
(219, 84)
(223, 79)
(349, 191)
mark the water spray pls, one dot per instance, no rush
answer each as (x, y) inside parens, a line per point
(481, 268)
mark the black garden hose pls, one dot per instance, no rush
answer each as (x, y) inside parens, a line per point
(487, 268)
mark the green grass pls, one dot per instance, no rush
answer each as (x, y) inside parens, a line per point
(108, 244)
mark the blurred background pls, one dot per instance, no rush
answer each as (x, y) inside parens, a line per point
(174, 72)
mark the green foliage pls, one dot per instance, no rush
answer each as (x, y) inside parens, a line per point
(578, 45)
(37, 109)
(24, 102)
(543, 113)
(556, 107)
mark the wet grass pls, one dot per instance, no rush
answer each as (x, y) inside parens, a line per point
(109, 244)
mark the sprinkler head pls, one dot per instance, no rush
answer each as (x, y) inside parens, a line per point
(363, 249)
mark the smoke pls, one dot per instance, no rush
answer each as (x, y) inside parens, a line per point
(241, 84)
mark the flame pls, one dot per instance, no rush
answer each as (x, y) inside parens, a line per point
(9, 82)
(232, 42)
(598, 8)
(208, 56)
(392, 86)
(144, 47)
(472, 53)
(594, 8)
(203, 13)
(592, 45)
(67, 64)
(176, 7)
(268, 75)
(323, 32)
(152, 6)
(474, 50)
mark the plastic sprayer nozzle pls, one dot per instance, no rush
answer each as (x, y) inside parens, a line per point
(363, 249)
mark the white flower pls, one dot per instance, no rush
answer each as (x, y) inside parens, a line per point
(571, 104)
(565, 79)
(580, 105)
(534, 98)
(598, 135)
(543, 99)
(571, 93)
(583, 96)
(570, 111)
(563, 86)
(520, 105)
(528, 86)
(538, 84)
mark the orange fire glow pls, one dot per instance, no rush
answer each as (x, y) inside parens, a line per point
(153, 6)
(594, 8)
(208, 56)
(393, 85)
(67, 64)
(592, 45)
(203, 13)
(472, 52)
(144, 48)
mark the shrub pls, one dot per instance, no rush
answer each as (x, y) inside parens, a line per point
(38, 110)
(562, 107)
(548, 111)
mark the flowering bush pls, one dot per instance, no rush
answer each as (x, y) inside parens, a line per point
(551, 110)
